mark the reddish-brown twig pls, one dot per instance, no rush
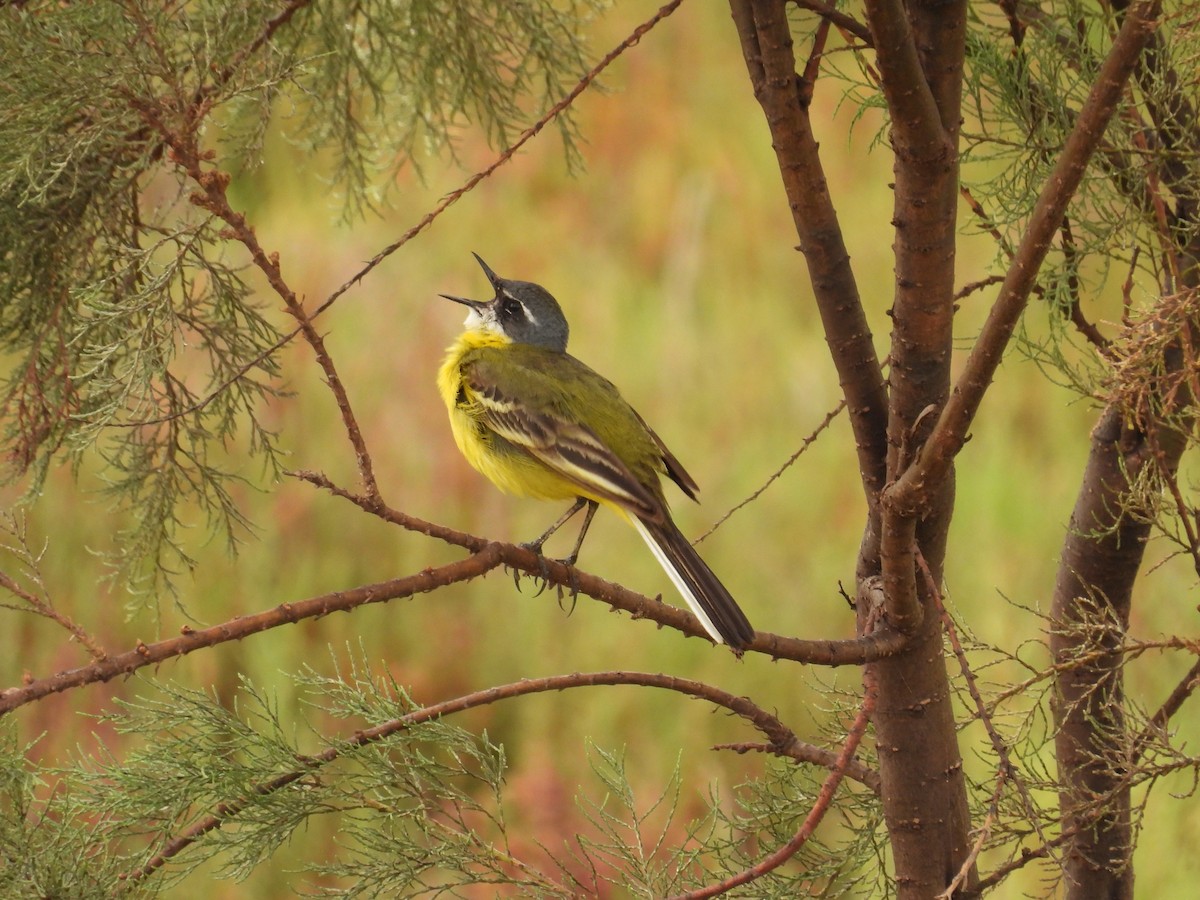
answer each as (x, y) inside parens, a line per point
(43, 608)
(227, 811)
(876, 644)
(486, 556)
(489, 557)
(804, 445)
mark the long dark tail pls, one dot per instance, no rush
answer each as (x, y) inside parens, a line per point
(711, 603)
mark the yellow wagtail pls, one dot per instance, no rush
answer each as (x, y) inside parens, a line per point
(539, 423)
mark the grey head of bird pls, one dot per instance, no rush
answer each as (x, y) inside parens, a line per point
(524, 312)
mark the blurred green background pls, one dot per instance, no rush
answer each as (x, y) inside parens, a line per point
(672, 253)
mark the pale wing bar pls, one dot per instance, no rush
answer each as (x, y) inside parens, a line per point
(568, 448)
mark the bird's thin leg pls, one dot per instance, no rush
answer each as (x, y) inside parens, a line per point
(592, 506)
(536, 546)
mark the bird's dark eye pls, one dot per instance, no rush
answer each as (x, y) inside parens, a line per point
(511, 309)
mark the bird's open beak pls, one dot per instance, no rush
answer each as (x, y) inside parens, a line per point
(474, 304)
(478, 304)
(487, 270)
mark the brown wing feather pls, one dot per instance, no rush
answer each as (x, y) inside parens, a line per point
(570, 449)
(675, 470)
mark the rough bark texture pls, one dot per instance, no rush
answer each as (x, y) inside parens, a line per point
(919, 49)
(908, 437)
(924, 791)
(1101, 558)
(1100, 562)
(1104, 548)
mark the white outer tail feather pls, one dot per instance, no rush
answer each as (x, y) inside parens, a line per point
(677, 580)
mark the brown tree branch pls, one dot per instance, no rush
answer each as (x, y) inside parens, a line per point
(919, 54)
(766, 41)
(778, 733)
(1176, 131)
(487, 558)
(918, 127)
(1089, 331)
(920, 49)
(878, 643)
(1158, 722)
(925, 127)
(1071, 257)
(839, 19)
(909, 492)
(1104, 550)
(1167, 471)
(1101, 556)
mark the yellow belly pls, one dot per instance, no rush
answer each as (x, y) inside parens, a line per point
(510, 468)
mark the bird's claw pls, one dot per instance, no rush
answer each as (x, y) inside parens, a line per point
(544, 573)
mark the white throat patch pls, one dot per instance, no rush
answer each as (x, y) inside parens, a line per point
(482, 321)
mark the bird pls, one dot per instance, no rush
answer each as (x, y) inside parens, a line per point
(537, 422)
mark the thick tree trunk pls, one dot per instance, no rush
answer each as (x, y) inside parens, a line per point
(1100, 562)
(1105, 545)
(919, 48)
(924, 792)
(920, 768)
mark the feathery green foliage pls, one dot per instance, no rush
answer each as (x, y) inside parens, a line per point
(1022, 102)
(418, 811)
(139, 347)
(136, 344)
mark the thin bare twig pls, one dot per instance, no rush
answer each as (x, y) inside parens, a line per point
(186, 154)
(1027, 856)
(985, 830)
(38, 601)
(1007, 767)
(43, 608)
(1185, 513)
(804, 445)
(1078, 319)
(972, 286)
(1183, 690)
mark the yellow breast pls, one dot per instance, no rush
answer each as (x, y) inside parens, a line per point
(510, 468)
